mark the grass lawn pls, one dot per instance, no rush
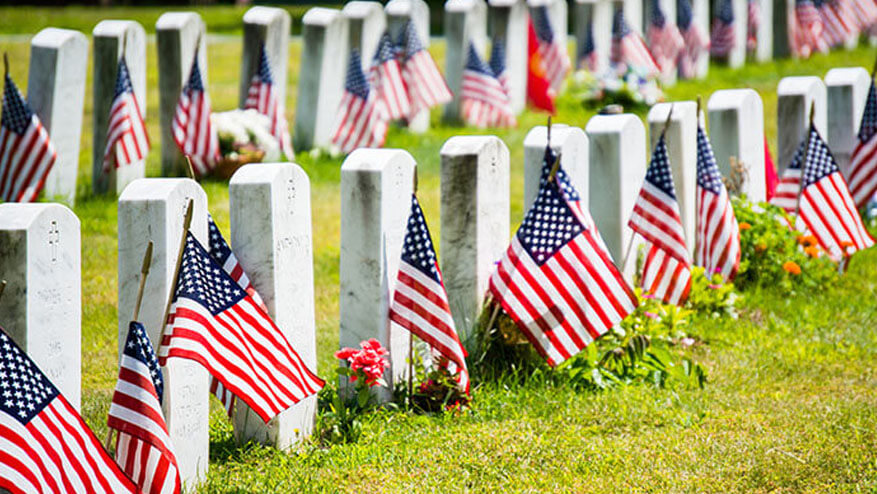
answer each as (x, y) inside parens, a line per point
(791, 403)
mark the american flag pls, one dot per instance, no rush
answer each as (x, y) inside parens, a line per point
(45, 446)
(385, 76)
(362, 119)
(26, 152)
(556, 281)
(587, 56)
(837, 25)
(665, 40)
(193, 132)
(864, 13)
(262, 97)
(826, 207)
(753, 22)
(667, 270)
(143, 446)
(717, 236)
(696, 42)
(806, 30)
(628, 49)
(498, 65)
(222, 254)
(214, 322)
(483, 100)
(723, 39)
(553, 54)
(863, 162)
(786, 195)
(420, 302)
(127, 140)
(426, 85)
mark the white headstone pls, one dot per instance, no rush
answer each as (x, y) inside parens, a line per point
(41, 308)
(795, 95)
(633, 13)
(668, 8)
(270, 207)
(737, 55)
(474, 221)
(764, 34)
(736, 119)
(558, 14)
(367, 24)
(376, 188)
(56, 93)
(508, 23)
(321, 78)
(783, 12)
(595, 15)
(464, 23)
(177, 35)
(398, 13)
(700, 16)
(847, 91)
(154, 209)
(681, 139)
(270, 26)
(618, 167)
(109, 39)
(572, 145)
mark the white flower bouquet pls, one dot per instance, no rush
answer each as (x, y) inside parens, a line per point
(244, 137)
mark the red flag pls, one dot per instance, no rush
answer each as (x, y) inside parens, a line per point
(771, 180)
(539, 92)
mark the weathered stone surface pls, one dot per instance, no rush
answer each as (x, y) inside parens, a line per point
(474, 221)
(376, 188)
(270, 208)
(795, 96)
(507, 21)
(847, 91)
(321, 80)
(109, 39)
(272, 27)
(367, 23)
(597, 16)
(736, 118)
(56, 93)
(572, 145)
(764, 34)
(178, 35)
(154, 209)
(783, 11)
(41, 308)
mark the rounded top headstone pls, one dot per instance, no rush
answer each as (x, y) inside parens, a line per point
(365, 159)
(156, 188)
(610, 124)
(359, 9)
(471, 144)
(320, 16)
(115, 27)
(52, 37)
(844, 75)
(798, 84)
(265, 172)
(264, 15)
(20, 216)
(175, 20)
(732, 98)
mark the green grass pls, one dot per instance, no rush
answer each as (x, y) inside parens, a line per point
(791, 403)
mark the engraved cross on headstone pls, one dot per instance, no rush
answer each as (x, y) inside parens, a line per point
(54, 240)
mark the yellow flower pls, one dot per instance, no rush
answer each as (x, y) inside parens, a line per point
(745, 226)
(792, 267)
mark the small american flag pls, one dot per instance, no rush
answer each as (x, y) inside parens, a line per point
(385, 76)
(127, 140)
(556, 280)
(696, 42)
(553, 54)
(717, 236)
(863, 162)
(667, 270)
(483, 100)
(214, 322)
(587, 56)
(789, 188)
(262, 97)
(826, 207)
(723, 39)
(665, 40)
(45, 446)
(192, 129)
(752, 24)
(837, 27)
(26, 152)
(864, 13)
(628, 49)
(222, 254)
(362, 119)
(806, 30)
(143, 446)
(498, 64)
(420, 302)
(426, 85)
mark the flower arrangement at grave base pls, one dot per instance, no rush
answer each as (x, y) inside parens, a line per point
(632, 89)
(342, 406)
(438, 391)
(244, 137)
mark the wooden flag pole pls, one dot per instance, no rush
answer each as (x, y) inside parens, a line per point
(2, 287)
(804, 165)
(189, 169)
(187, 222)
(874, 70)
(5, 64)
(667, 122)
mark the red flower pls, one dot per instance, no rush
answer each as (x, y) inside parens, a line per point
(368, 360)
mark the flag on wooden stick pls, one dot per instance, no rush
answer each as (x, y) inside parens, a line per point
(263, 97)
(806, 30)
(628, 49)
(362, 121)
(789, 188)
(665, 40)
(722, 37)
(385, 76)
(863, 162)
(483, 100)
(127, 140)
(193, 132)
(553, 54)
(426, 85)
(696, 41)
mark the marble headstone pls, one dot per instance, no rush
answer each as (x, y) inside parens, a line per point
(783, 12)
(847, 91)
(737, 55)
(595, 15)
(399, 12)
(177, 36)
(795, 95)
(700, 16)
(668, 8)
(464, 24)
(681, 140)
(572, 145)
(270, 26)
(764, 34)
(558, 13)
(736, 128)
(270, 208)
(376, 188)
(56, 93)
(474, 221)
(633, 13)
(367, 23)
(321, 79)
(41, 308)
(154, 209)
(507, 21)
(617, 168)
(109, 39)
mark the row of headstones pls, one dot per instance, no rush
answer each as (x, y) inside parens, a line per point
(40, 244)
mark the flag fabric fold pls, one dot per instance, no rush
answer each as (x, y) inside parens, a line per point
(263, 97)
(806, 34)
(863, 161)
(789, 188)
(192, 129)
(385, 76)
(425, 84)
(695, 41)
(722, 36)
(127, 140)
(540, 94)
(554, 56)
(628, 49)
(665, 40)
(362, 120)
(484, 101)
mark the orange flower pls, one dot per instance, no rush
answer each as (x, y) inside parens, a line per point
(759, 248)
(844, 244)
(810, 241)
(745, 226)
(812, 251)
(792, 267)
